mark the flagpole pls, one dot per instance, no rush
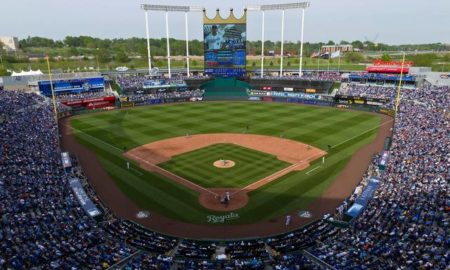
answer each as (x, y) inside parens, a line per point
(397, 101)
(318, 63)
(329, 60)
(51, 87)
(339, 62)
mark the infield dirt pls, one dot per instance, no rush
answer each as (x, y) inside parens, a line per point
(296, 153)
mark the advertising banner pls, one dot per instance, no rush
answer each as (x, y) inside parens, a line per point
(277, 94)
(110, 100)
(72, 86)
(344, 99)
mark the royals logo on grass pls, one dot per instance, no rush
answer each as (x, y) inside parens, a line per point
(223, 218)
(304, 214)
(143, 214)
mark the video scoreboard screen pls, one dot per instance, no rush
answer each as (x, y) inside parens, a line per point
(224, 45)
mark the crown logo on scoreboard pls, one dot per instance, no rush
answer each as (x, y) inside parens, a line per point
(219, 20)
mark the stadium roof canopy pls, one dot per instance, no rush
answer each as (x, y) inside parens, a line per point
(27, 73)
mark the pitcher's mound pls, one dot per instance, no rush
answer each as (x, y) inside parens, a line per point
(224, 164)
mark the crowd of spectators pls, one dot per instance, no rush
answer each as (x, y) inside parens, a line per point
(406, 224)
(317, 76)
(137, 81)
(196, 250)
(153, 95)
(294, 262)
(42, 224)
(148, 261)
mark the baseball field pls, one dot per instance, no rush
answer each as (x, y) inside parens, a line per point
(337, 134)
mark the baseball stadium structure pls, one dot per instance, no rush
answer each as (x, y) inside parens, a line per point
(225, 168)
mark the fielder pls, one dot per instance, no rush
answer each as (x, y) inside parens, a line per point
(288, 220)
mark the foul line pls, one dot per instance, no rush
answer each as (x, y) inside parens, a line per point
(145, 161)
(367, 131)
(90, 136)
(186, 182)
(138, 172)
(307, 173)
(280, 172)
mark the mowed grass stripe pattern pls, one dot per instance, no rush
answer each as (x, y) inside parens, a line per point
(313, 125)
(318, 126)
(250, 166)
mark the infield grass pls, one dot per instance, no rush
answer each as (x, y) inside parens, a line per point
(108, 133)
(250, 166)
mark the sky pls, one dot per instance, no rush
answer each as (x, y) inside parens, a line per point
(393, 21)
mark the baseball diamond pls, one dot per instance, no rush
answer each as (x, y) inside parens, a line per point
(171, 149)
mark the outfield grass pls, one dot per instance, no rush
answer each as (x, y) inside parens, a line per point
(250, 166)
(109, 132)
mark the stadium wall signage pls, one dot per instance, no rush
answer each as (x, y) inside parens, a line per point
(83, 198)
(283, 94)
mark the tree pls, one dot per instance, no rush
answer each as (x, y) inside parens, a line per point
(423, 60)
(344, 42)
(330, 42)
(386, 57)
(4, 72)
(357, 44)
(354, 57)
(73, 51)
(103, 56)
(446, 57)
(122, 57)
(37, 42)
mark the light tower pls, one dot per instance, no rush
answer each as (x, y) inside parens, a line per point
(168, 9)
(283, 8)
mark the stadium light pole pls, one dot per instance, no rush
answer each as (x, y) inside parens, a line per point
(168, 44)
(187, 42)
(262, 45)
(282, 43)
(300, 69)
(282, 7)
(148, 44)
(167, 9)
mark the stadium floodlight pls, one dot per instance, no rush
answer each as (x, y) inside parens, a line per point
(299, 5)
(282, 7)
(170, 8)
(167, 9)
(254, 8)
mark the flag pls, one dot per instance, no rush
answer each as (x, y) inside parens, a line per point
(315, 54)
(336, 54)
